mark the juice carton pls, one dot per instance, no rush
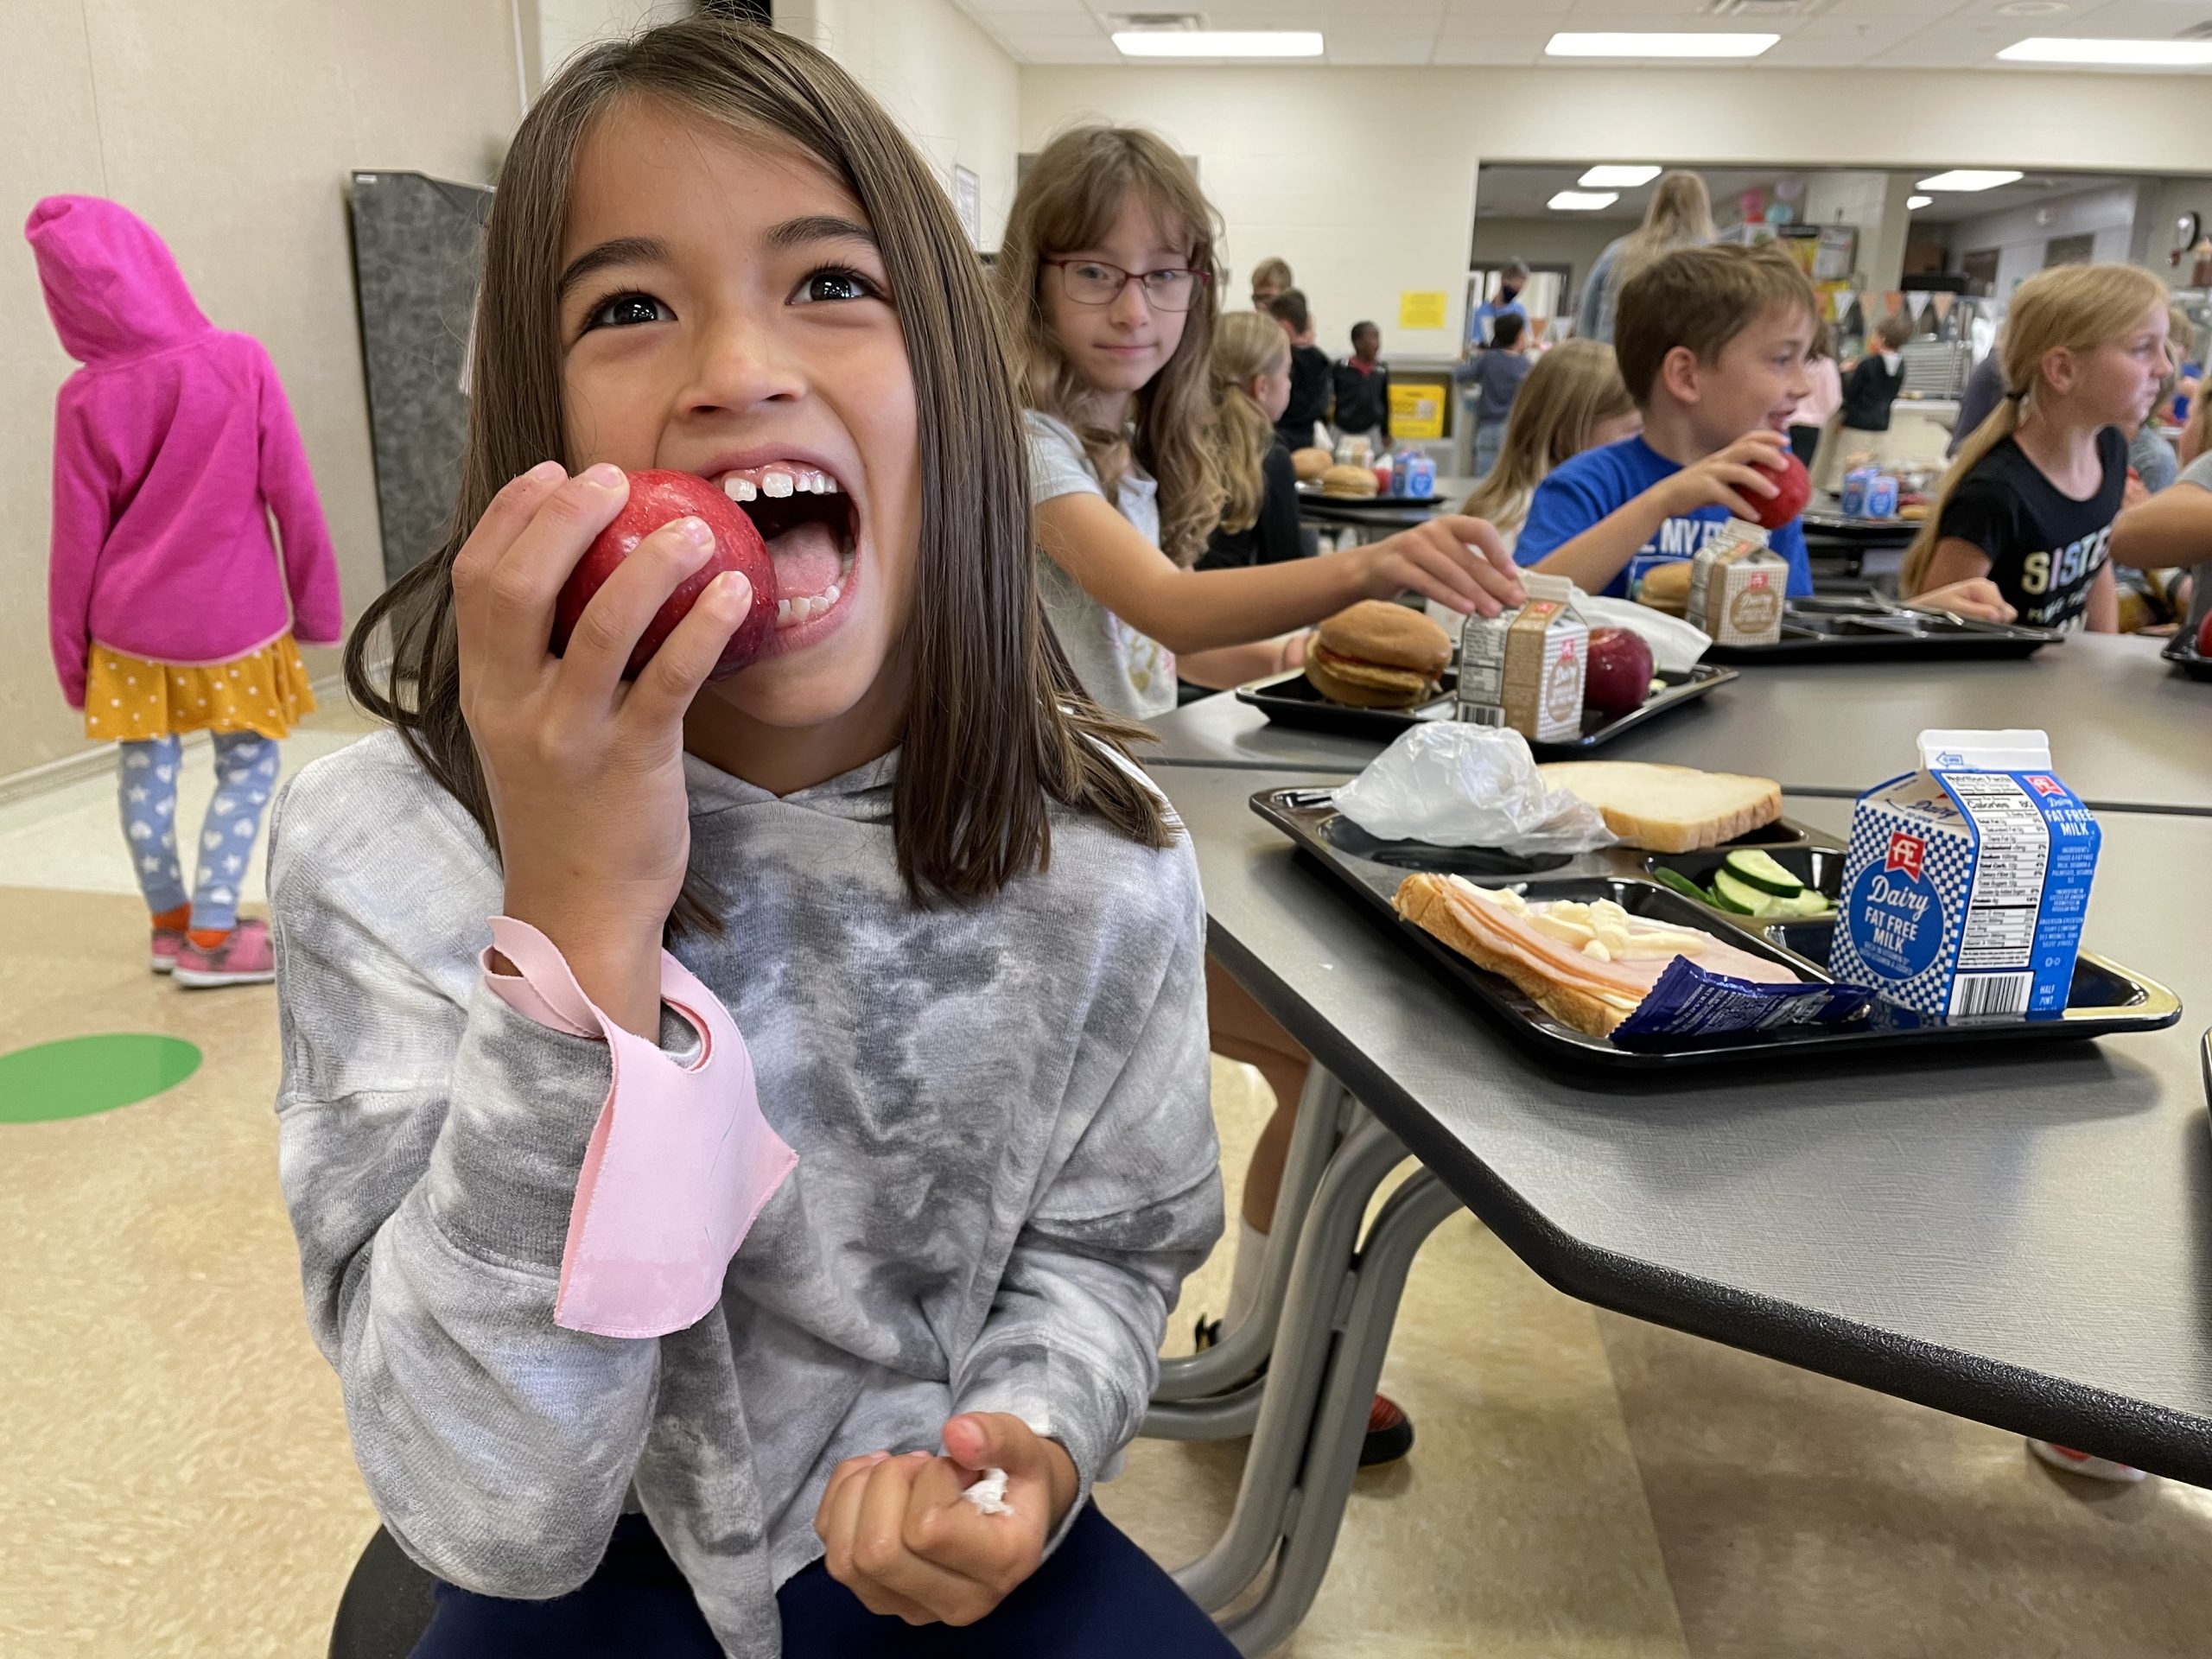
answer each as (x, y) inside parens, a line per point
(1736, 586)
(1966, 882)
(1525, 668)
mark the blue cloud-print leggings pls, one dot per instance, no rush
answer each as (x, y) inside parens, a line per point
(245, 776)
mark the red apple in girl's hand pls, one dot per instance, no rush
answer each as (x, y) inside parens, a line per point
(2204, 628)
(660, 498)
(1794, 488)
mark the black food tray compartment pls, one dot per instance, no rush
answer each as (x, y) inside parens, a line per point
(1825, 629)
(2106, 998)
(2181, 652)
(1292, 700)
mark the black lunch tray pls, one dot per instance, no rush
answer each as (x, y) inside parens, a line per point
(2106, 998)
(1314, 493)
(2181, 652)
(1290, 700)
(1845, 629)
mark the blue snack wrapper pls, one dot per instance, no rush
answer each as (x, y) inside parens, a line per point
(1690, 1001)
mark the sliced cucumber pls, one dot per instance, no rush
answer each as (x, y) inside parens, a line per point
(1681, 884)
(1757, 870)
(1738, 898)
(1809, 904)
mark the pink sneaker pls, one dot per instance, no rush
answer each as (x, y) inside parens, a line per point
(2083, 1463)
(168, 941)
(245, 959)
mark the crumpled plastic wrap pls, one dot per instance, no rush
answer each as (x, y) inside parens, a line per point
(1451, 783)
(1675, 645)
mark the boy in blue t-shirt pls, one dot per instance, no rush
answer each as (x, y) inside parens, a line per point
(1712, 343)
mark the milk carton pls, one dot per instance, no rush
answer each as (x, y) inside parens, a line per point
(1525, 668)
(1737, 585)
(1966, 882)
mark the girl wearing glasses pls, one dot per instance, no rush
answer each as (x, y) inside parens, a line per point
(1108, 281)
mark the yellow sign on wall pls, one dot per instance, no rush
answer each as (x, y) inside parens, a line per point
(1421, 308)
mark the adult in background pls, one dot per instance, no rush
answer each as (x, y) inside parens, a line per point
(1310, 375)
(1679, 215)
(1362, 387)
(1270, 277)
(1482, 322)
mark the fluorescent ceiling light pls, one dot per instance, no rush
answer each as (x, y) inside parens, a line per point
(1914, 204)
(1671, 44)
(2050, 48)
(1617, 178)
(1218, 42)
(1582, 202)
(1971, 178)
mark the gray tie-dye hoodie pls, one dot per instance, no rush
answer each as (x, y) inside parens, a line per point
(1006, 1152)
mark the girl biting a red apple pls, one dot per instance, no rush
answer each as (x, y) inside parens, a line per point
(831, 921)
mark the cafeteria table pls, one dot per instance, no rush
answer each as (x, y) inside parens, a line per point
(2128, 731)
(2019, 1236)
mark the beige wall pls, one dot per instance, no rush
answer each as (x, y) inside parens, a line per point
(1363, 179)
(956, 94)
(231, 126)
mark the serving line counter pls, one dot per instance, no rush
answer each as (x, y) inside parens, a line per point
(2022, 1236)
(2128, 732)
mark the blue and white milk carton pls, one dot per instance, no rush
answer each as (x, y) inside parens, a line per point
(1966, 882)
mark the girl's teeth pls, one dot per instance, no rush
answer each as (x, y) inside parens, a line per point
(739, 489)
(776, 485)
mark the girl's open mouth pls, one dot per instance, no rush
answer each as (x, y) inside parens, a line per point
(811, 526)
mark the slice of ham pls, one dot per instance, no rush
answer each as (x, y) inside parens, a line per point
(1619, 985)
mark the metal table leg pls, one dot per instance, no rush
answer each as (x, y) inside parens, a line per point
(1316, 1504)
(1326, 1110)
(1320, 1277)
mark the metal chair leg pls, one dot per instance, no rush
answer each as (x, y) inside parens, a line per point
(1316, 1503)
(1318, 1281)
(1326, 1110)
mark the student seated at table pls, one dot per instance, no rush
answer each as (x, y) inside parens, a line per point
(1711, 344)
(1312, 381)
(2172, 532)
(2030, 503)
(1106, 274)
(1572, 400)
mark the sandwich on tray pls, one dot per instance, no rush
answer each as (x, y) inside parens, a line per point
(1378, 655)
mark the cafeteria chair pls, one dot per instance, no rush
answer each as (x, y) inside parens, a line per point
(386, 1605)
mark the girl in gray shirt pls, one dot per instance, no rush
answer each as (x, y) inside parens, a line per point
(794, 1282)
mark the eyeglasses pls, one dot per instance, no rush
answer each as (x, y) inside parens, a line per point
(1093, 282)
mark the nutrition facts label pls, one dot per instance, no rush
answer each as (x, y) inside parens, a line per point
(1999, 930)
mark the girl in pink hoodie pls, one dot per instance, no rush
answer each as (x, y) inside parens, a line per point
(169, 609)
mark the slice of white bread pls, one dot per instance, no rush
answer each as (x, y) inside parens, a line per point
(1668, 808)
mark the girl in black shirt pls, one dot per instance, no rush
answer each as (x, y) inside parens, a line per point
(2031, 498)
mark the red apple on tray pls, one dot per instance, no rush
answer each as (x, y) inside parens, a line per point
(658, 499)
(1796, 486)
(1619, 675)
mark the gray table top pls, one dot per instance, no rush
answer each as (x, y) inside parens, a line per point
(2128, 732)
(2024, 1238)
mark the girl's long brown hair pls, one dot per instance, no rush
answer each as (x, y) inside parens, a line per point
(1574, 388)
(2073, 307)
(1069, 202)
(1245, 346)
(998, 724)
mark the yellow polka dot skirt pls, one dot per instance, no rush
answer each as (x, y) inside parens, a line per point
(127, 698)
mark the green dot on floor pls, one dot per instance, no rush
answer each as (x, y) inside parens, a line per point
(79, 1076)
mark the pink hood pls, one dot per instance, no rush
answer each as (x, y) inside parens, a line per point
(173, 448)
(112, 287)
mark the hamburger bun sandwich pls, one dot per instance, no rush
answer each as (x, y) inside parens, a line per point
(1310, 463)
(1348, 482)
(1666, 588)
(1378, 655)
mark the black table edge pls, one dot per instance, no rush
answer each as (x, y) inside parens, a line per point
(1985, 1391)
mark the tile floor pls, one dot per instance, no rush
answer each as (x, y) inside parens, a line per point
(174, 1479)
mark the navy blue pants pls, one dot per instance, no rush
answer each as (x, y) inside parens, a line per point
(1099, 1597)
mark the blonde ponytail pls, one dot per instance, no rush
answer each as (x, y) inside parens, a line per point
(2068, 308)
(1246, 344)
